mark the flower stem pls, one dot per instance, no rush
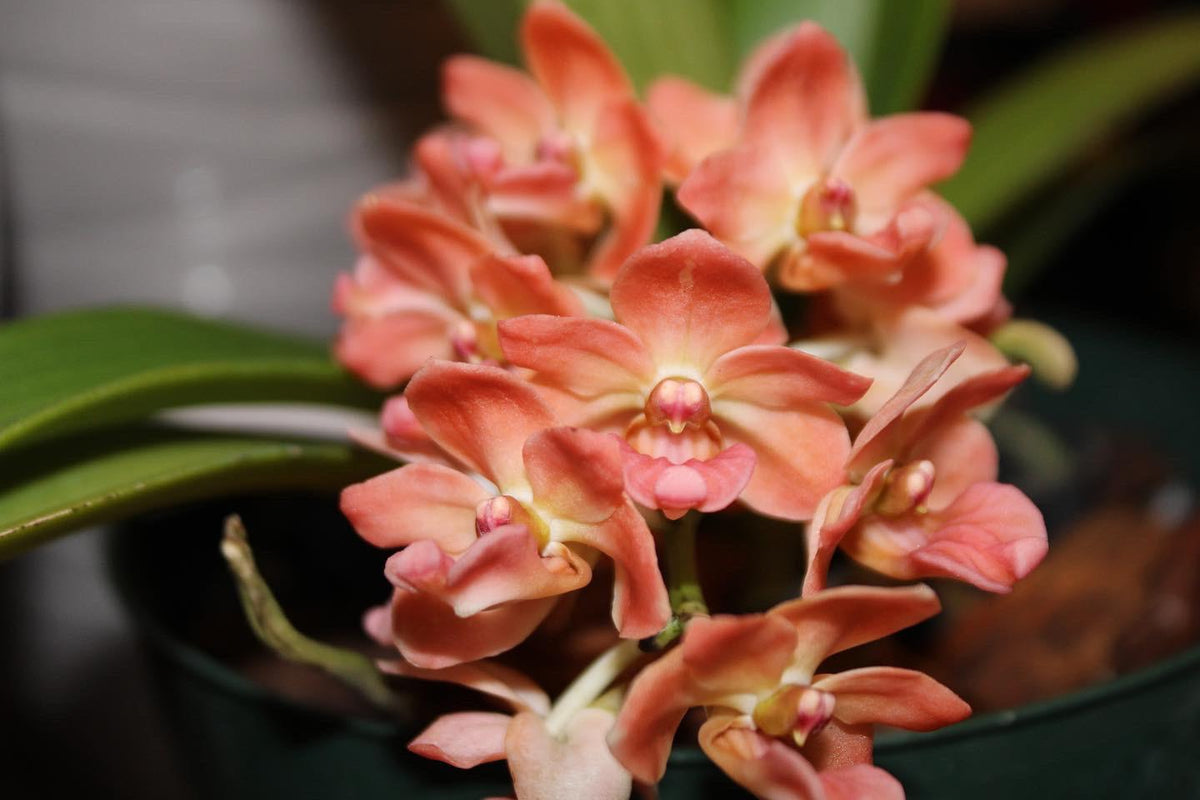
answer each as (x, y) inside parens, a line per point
(273, 628)
(687, 599)
(591, 683)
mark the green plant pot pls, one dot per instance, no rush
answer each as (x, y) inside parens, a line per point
(1136, 736)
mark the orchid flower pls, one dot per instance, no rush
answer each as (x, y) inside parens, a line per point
(924, 501)
(548, 760)
(428, 287)
(812, 187)
(708, 413)
(482, 554)
(775, 725)
(560, 155)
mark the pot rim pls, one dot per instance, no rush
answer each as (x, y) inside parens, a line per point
(219, 675)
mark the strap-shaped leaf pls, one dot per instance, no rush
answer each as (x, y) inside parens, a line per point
(1044, 121)
(84, 370)
(51, 489)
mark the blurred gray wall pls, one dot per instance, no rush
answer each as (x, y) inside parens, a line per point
(195, 153)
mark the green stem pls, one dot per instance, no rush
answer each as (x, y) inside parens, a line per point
(591, 683)
(273, 628)
(687, 599)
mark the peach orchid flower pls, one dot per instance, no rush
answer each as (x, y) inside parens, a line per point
(477, 557)
(429, 287)
(708, 413)
(775, 725)
(814, 188)
(547, 758)
(562, 154)
(924, 501)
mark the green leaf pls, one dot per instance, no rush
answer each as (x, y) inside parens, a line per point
(1039, 124)
(52, 489)
(88, 369)
(492, 25)
(894, 44)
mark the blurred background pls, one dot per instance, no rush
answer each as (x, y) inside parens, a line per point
(202, 154)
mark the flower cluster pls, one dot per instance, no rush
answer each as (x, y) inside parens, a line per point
(570, 387)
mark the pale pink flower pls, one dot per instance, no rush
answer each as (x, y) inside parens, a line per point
(775, 725)
(813, 188)
(560, 155)
(545, 764)
(429, 287)
(923, 501)
(708, 412)
(481, 565)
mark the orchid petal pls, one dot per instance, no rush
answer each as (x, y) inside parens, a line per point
(487, 677)
(780, 377)
(962, 453)
(838, 512)
(737, 654)
(890, 160)
(417, 501)
(901, 698)
(919, 381)
(783, 485)
(690, 299)
(572, 64)
(805, 101)
(657, 700)
(481, 415)
(640, 604)
(860, 782)
(502, 566)
(385, 351)
(694, 122)
(429, 634)
(741, 196)
(501, 102)
(838, 746)
(587, 357)
(578, 764)
(464, 740)
(519, 285)
(427, 249)
(874, 256)
(991, 537)
(547, 192)
(904, 341)
(847, 616)
(767, 767)
(575, 474)
(624, 166)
